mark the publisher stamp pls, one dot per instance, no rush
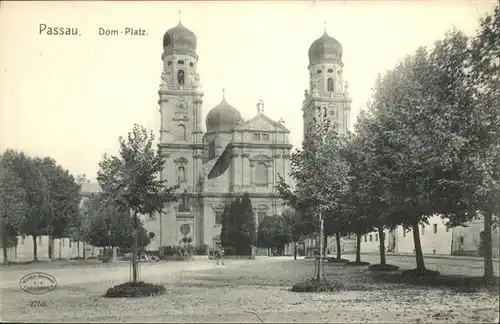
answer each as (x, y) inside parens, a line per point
(38, 283)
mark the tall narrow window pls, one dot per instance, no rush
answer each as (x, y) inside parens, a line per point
(218, 217)
(435, 228)
(461, 240)
(260, 217)
(365, 238)
(330, 84)
(376, 237)
(181, 174)
(211, 150)
(256, 137)
(261, 174)
(182, 132)
(371, 238)
(180, 77)
(423, 229)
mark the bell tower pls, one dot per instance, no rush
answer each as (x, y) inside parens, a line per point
(328, 93)
(180, 108)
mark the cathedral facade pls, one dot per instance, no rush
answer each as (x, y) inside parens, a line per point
(233, 155)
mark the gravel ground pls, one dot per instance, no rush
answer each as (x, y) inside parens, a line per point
(243, 291)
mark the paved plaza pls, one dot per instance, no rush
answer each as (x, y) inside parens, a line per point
(242, 291)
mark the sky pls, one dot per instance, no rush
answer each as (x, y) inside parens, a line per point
(71, 97)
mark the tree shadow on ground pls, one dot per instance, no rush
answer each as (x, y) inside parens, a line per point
(457, 283)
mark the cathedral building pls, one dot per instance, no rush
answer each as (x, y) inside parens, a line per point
(231, 157)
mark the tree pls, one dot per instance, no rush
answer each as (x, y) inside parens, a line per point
(321, 174)
(273, 233)
(110, 225)
(131, 180)
(63, 200)
(373, 185)
(248, 225)
(238, 226)
(13, 202)
(437, 124)
(79, 225)
(484, 80)
(294, 226)
(35, 221)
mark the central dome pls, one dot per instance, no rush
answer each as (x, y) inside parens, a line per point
(180, 40)
(325, 49)
(223, 117)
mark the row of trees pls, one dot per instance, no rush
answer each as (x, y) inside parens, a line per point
(38, 197)
(428, 144)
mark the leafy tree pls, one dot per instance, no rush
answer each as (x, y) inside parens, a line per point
(265, 233)
(248, 225)
(131, 180)
(437, 124)
(63, 200)
(13, 202)
(273, 233)
(79, 225)
(484, 80)
(238, 225)
(294, 226)
(35, 221)
(110, 225)
(368, 159)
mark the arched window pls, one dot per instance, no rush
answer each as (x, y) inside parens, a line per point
(261, 174)
(181, 174)
(180, 77)
(330, 84)
(182, 132)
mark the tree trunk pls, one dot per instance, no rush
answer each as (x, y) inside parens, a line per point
(134, 248)
(78, 249)
(60, 248)
(358, 247)
(418, 249)
(83, 251)
(4, 244)
(382, 245)
(325, 243)
(35, 252)
(339, 253)
(487, 248)
(51, 248)
(295, 250)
